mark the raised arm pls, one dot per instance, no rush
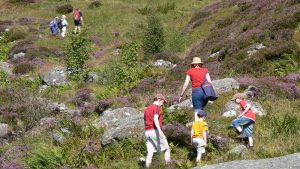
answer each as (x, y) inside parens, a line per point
(208, 77)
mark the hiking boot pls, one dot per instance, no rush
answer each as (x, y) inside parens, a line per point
(242, 136)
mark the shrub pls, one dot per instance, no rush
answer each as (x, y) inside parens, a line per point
(23, 68)
(177, 42)
(285, 65)
(77, 52)
(165, 8)
(130, 54)
(5, 46)
(3, 79)
(16, 34)
(82, 95)
(64, 9)
(145, 10)
(95, 4)
(287, 126)
(45, 156)
(153, 40)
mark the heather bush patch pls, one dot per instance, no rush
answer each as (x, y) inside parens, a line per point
(64, 9)
(95, 4)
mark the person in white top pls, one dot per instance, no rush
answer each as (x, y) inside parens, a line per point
(64, 24)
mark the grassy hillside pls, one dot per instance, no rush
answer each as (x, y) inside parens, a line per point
(190, 28)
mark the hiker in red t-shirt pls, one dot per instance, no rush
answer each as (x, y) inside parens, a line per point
(78, 20)
(245, 121)
(197, 74)
(155, 138)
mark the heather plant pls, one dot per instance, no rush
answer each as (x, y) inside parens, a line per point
(153, 40)
(77, 53)
(23, 68)
(95, 4)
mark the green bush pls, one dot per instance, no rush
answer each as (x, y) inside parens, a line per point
(285, 65)
(3, 79)
(64, 9)
(177, 42)
(165, 8)
(145, 10)
(95, 4)
(130, 54)
(5, 46)
(77, 53)
(287, 126)
(153, 40)
(45, 156)
(16, 34)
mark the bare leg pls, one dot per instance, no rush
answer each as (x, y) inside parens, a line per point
(149, 159)
(168, 156)
(198, 157)
(239, 128)
(250, 139)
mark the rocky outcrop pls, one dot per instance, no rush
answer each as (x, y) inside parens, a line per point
(290, 161)
(55, 77)
(132, 126)
(109, 117)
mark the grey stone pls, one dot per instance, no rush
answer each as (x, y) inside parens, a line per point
(132, 126)
(4, 129)
(109, 117)
(117, 52)
(55, 77)
(184, 104)
(58, 138)
(19, 55)
(217, 54)
(92, 77)
(6, 68)
(162, 63)
(255, 48)
(225, 85)
(290, 161)
(58, 107)
(240, 150)
(233, 109)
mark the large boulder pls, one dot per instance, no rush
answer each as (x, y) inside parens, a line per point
(131, 126)
(184, 104)
(109, 117)
(240, 150)
(57, 76)
(290, 161)
(233, 109)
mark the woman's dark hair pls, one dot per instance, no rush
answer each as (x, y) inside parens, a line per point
(197, 64)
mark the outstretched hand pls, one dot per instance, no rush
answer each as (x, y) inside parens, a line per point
(180, 98)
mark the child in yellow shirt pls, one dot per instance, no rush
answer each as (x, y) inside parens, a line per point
(199, 134)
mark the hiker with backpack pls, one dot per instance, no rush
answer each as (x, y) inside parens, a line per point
(63, 26)
(78, 21)
(54, 26)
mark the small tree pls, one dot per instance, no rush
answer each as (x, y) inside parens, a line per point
(153, 40)
(77, 52)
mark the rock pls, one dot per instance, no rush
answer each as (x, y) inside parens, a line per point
(240, 150)
(58, 107)
(20, 55)
(290, 161)
(58, 138)
(184, 104)
(117, 52)
(255, 48)
(109, 117)
(4, 129)
(6, 68)
(217, 54)
(92, 77)
(132, 126)
(55, 77)
(225, 85)
(162, 63)
(233, 109)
